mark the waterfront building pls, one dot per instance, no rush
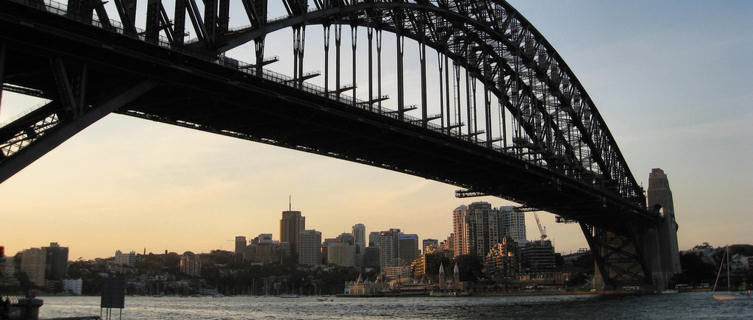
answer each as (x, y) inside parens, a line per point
(408, 248)
(33, 264)
(240, 245)
(389, 248)
(427, 266)
(73, 286)
(538, 257)
(56, 261)
(459, 231)
(514, 224)
(8, 272)
(292, 225)
(398, 272)
(502, 260)
(341, 254)
(428, 245)
(125, 259)
(190, 264)
(309, 248)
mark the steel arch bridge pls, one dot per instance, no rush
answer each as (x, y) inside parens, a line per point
(535, 137)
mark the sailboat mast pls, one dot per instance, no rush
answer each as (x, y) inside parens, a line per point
(719, 273)
(729, 287)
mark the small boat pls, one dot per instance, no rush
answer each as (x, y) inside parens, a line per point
(322, 299)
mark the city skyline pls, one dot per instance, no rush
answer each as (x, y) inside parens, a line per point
(671, 80)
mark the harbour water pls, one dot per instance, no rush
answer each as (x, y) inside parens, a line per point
(671, 306)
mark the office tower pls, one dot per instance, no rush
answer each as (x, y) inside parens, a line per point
(309, 248)
(460, 246)
(408, 248)
(482, 228)
(56, 261)
(359, 232)
(263, 249)
(325, 249)
(374, 239)
(342, 254)
(514, 223)
(34, 263)
(389, 249)
(190, 264)
(125, 259)
(291, 226)
(240, 244)
(346, 238)
(429, 245)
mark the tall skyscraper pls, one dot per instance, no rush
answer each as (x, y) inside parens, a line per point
(514, 224)
(483, 228)
(389, 249)
(240, 245)
(374, 239)
(291, 226)
(460, 245)
(56, 261)
(408, 248)
(310, 248)
(359, 232)
(659, 196)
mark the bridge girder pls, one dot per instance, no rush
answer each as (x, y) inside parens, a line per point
(563, 139)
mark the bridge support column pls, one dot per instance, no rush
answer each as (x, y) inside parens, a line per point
(354, 45)
(338, 40)
(618, 257)
(379, 68)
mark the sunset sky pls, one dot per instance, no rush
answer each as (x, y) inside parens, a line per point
(672, 79)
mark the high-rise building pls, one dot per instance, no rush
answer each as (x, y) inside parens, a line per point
(291, 226)
(125, 259)
(514, 223)
(428, 245)
(325, 249)
(341, 254)
(359, 232)
(56, 261)
(240, 245)
(34, 263)
(483, 228)
(374, 239)
(659, 197)
(190, 264)
(310, 248)
(263, 249)
(408, 248)
(389, 249)
(371, 257)
(459, 243)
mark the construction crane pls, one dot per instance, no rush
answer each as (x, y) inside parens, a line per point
(542, 230)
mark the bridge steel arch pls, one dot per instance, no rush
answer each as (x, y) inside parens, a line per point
(562, 149)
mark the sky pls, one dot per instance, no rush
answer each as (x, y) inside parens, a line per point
(672, 79)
